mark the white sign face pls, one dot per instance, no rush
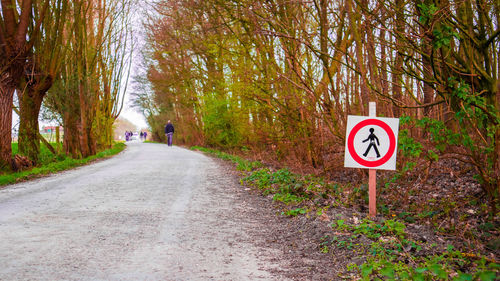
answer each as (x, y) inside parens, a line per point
(371, 142)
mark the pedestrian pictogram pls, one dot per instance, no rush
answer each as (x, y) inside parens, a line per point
(371, 142)
(372, 138)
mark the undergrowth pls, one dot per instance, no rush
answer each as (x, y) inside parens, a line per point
(390, 254)
(290, 188)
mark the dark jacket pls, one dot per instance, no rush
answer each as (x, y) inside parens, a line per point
(169, 128)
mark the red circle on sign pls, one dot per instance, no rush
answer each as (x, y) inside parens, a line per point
(354, 131)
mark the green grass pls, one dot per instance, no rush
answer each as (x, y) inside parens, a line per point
(392, 255)
(46, 156)
(50, 163)
(241, 164)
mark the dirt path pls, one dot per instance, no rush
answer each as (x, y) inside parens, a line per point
(150, 213)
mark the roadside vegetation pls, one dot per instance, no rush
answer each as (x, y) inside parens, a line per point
(401, 243)
(274, 82)
(279, 78)
(51, 163)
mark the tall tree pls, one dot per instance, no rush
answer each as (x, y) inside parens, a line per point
(42, 68)
(16, 42)
(89, 92)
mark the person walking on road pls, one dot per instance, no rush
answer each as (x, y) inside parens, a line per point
(169, 132)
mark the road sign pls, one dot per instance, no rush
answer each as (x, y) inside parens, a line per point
(371, 142)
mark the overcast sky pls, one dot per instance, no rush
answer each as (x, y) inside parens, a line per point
(132, 115)
(128, 111)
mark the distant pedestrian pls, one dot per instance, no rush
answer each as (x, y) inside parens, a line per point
(142, 135)
(145, 135)
(126, 135)
(169, 132)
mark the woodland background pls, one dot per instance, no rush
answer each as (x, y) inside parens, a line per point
(277, 79)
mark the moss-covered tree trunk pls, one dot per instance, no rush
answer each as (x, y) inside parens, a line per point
(71, 141)
(30, 102)
(58, 139)
(29, 143)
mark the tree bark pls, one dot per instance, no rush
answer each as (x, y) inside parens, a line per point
(383, 70)
(496, 165)
(71, 141)
(355, 21)
(398, 61)
(29, 143)
(58, 137)
(427, 73)
(30, 103)
(84, 142)
(6, 99)
(14, 48)
(47, 144)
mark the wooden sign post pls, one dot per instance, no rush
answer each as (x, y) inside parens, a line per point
(371, 143)
(372, 173)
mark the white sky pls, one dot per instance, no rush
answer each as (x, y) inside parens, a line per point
(132, 115)
(128, 113)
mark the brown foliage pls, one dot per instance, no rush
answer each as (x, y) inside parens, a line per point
(280, 77)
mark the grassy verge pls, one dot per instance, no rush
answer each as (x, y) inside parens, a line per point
(148, 141)
(54, 163)
(241, 164)
(386, 247)
(45, 156)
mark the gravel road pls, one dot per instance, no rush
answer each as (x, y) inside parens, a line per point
(150, 213)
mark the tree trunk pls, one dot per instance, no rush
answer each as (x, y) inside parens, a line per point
(398, 61)
(71, 142)
(427, 69)
(6, 99)
(82, 130)
(496, 166)
(355, 19)
(30, 102)
(58, 137)
(29, 105)
(47, 144)
(384, 80)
